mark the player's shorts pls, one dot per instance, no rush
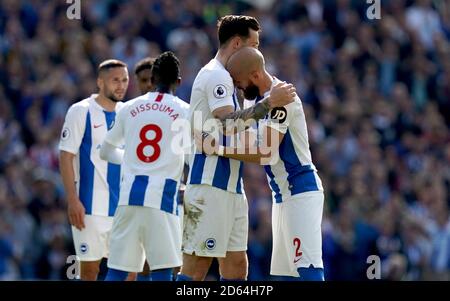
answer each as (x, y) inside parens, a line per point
(141, 233)
(297, 235)
(181, 215)
(215, 221)
(92, 243)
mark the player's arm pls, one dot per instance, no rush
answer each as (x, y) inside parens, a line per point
(237, 121)
(69, 145)
(111, 153)
(266, 151)
(263, 154)
(110, 149)
(75, 208)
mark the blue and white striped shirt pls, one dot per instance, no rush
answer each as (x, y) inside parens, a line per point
(213, 88)
(293, 172)
(97, 181)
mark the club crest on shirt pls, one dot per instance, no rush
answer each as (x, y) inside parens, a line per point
(220, 91)
(210, 243)
(84, 248)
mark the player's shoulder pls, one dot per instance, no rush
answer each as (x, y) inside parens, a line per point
(80, 107)
(131, 102)
(181, 103)
(120, 105)
(297, 101)
(213, 71)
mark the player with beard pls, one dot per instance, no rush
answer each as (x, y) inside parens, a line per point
(92, 184)
(281, 146)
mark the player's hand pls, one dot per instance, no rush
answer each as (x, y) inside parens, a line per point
(76, 212)
(281, 95)
(205, 143)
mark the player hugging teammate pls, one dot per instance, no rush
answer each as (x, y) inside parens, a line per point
(136, 150)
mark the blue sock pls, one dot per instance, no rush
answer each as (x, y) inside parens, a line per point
(182, 277)
(311, 274)
(162, 275)
(141, 277)
(116, 275)
(225, 279)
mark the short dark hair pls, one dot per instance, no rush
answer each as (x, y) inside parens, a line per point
(109, 64)
(232, 25)
(166, 69)
(144, 64)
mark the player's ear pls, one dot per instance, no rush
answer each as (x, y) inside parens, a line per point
(254, 75)
(178, 81)
(236, 42)
(100, 82)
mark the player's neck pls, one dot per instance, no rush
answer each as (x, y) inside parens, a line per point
(222, 56)
(164, 89)
(106, 103)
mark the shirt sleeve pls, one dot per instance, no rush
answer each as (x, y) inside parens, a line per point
(115, 136)
(73, 129)
(280, 118)
(219, 90)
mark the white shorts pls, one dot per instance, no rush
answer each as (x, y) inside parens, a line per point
(297, 235)
(141, 233)
(181, 215)
(92, 243)
(215, 221)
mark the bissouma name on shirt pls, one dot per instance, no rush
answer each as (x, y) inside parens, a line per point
(154, 107)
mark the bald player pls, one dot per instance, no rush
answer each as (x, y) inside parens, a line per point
(282, 147)
(216, 211)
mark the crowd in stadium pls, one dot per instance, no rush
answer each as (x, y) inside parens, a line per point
(376, 94)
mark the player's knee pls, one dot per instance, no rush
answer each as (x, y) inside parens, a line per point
(235, 267)
(201, 269)
(195, 267)
(89, 271)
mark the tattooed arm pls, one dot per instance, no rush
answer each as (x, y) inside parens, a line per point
(237, 121)
(266, 153)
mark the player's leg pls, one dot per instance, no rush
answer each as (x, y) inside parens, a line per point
(235, 264)
(207, 227)
(194, 268)
(281, 263)
(105, 239)
(131, 277)
(180, 207)
(162, 246)
(89, 270)
(91, 245)
(302, 219)
(145, 275)
(126, 253)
